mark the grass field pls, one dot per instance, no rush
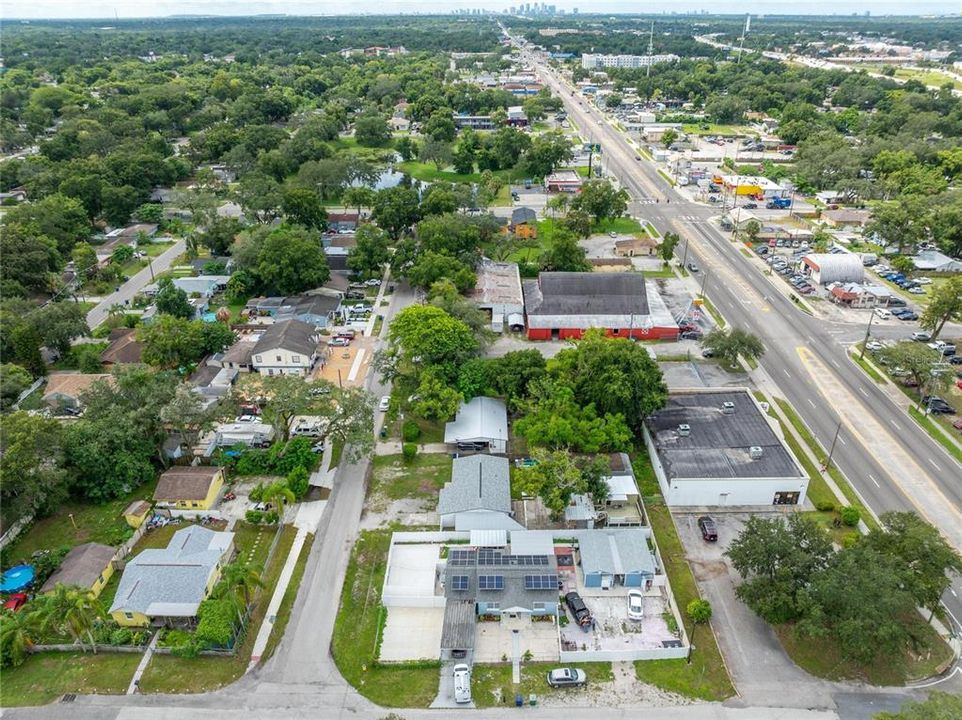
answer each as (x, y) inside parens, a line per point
(706, 678)
(90, 523)
(933, 78)
(46, 676)
(394, 478)
(428, 172)
(357, 629)
(491, 684)
(716, 129)
(821, 657)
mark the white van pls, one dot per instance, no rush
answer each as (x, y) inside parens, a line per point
(462, 683)
(882, 314)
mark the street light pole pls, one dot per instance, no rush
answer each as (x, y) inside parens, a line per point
(868, 331)
(684, 261)
(831, 451)
(704, 282)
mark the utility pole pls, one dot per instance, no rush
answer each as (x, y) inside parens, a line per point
(704, 282)
(868, 330)
(684, 261)
(741, 40)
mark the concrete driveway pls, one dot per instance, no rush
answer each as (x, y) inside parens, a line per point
(763, 674)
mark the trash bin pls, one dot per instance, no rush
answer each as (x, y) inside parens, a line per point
(519, 700)
(532, 699)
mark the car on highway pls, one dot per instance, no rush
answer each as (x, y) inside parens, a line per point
(692, 267)
(567, 677)
(385, 403)
(709, 531)
(636, 605)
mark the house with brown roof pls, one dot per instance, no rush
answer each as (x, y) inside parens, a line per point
(189, 488)
(88, 566)
(136, 513)
(65, 389)
(638, 246)
(846, 217)
(124, 348)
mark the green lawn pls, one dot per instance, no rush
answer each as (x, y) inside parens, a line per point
(287, 602)
(491, 684)
(821, 455)
(620, 225)
(428, 172)
(716, 129)
(716, 316)
(169, 674)
(665, 272)
(357, 629)
(503, 198)
(45, 677)
(394, 478)
(91, 523)
(821, 657)
(927, 77)
(706, 678)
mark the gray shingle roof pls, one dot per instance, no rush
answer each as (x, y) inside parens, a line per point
(291, 335)
(718, 444)
(523, 215)
(615, 552)
(483, 418)
(586, 293)
(82, 566)
(172, 582)
(478, 482)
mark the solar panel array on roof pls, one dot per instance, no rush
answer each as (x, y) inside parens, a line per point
(493, 557)
(461, 558)
(540, 582)
(460, 582)
(489, 556)
(490, 582)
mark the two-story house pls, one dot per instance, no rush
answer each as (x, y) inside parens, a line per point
(286, 348)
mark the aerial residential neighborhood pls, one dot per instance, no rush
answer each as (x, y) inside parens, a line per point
(531, 359)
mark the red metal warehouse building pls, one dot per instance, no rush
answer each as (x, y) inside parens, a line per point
(562, 305)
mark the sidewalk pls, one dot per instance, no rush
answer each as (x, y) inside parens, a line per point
(144, 662)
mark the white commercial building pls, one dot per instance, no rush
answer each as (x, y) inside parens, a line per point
(717, 448)
(591, 61)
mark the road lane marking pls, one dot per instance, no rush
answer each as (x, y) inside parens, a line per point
(933, 464)
(862, 390)
(872, 478)
(842, 440)
(786, 372)
(952, 590)
(811, 403)
(895, 425)
(834, 362)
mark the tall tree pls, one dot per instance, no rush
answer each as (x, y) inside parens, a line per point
(31, 461)
(945, 304)
(171, 300)
(599, 199)
(666, 250)
(564, 254)
(370, 253)
(729, 344)
(396, 209)
(302, 206)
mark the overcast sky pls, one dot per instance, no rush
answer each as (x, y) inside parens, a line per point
(156, 8)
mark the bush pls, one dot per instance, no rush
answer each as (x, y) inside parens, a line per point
(850, 516)
(216, 626)
(254, 517)
(190, 648)
(175, 638)
(409, 450)
(410, 431)
(257, 493)
(271, 517)
(298, 481)
(121, 636)
(825, 506)
(850, 539)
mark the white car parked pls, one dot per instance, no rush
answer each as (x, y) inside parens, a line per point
(462, 683)
(636, 605)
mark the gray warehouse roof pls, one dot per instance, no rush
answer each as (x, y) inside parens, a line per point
(615, 552)
(499, 283)
(586, 293)
(478, 482)
(718, 444)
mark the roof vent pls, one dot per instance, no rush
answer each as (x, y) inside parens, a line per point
(728, 407)
(755, 452)
(684, 430)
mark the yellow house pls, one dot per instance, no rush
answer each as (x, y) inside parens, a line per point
(166, 586)
(136, 513)
(88, 566)
(189, 488)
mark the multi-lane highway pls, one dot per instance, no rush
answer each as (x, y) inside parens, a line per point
(892, 463)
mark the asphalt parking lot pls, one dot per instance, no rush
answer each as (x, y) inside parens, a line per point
(760, 669)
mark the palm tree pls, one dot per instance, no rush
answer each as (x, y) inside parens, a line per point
(243, 576)
(17, 632)
(280, 493)
(73, 609)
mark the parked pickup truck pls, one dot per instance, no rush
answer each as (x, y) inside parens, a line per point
(579, 610)
(942, 347)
